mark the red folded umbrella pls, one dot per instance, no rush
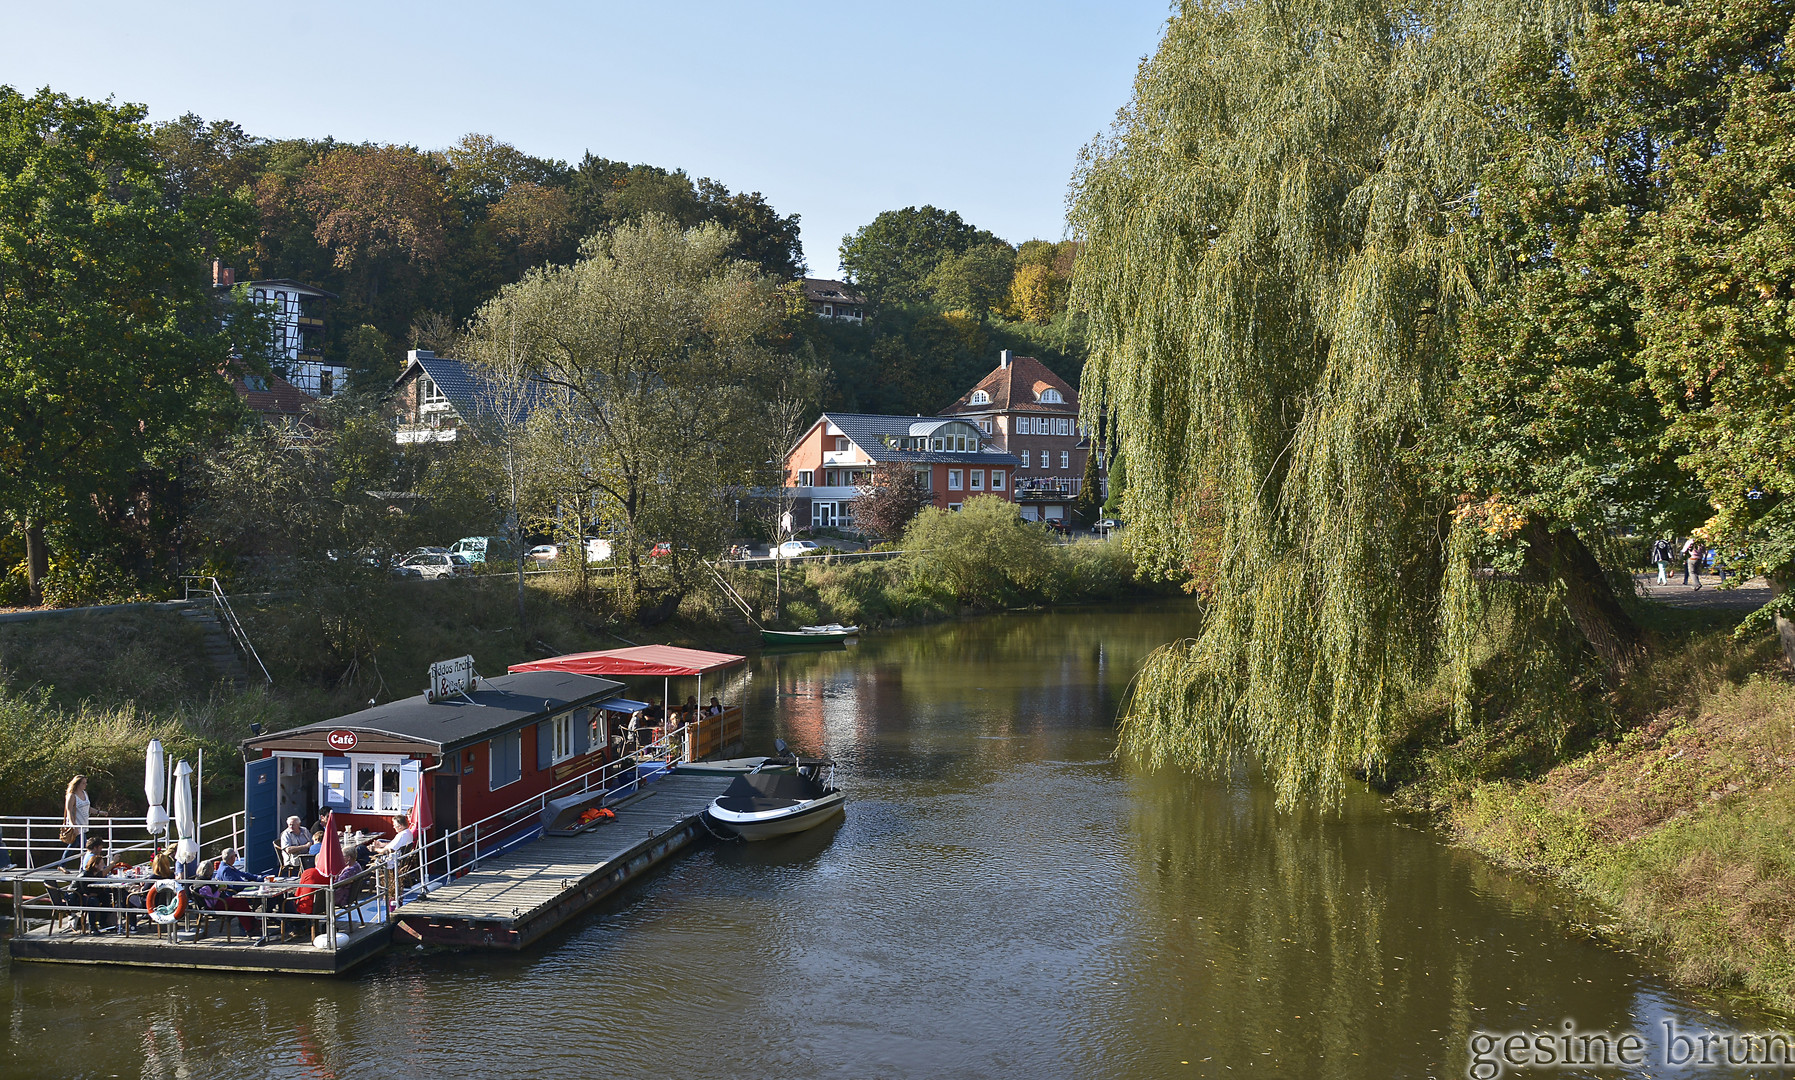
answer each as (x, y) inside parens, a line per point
(330, 856)
(422, 814)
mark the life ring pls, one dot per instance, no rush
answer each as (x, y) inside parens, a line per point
(170, 912)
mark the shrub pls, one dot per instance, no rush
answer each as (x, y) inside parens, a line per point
(985, 555)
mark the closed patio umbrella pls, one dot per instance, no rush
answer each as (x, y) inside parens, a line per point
(155, 782)
(330, 856)
(186, 825)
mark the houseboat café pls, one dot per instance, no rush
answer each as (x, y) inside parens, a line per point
(481, 769)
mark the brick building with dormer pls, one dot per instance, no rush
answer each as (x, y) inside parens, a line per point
(1024, 409)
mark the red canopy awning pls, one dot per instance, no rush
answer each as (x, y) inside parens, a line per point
(661, 660)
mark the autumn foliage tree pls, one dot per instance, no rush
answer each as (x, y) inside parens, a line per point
(890, 499)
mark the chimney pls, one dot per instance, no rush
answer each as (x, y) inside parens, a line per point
(224, 276)
(1003, 359)
(217, 271)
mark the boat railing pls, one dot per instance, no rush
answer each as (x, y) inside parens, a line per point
(34, 841)
(459, 850)
(44, 898)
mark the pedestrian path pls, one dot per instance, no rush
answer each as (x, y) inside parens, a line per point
(1754, 593)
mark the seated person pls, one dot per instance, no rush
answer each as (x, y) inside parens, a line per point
(87, 894)
(228, 871)
(654, 714)
(305, 901)
(162, 868)
(356, 861)
(317, 842)
(714, 708)
(294, 842)
(690, 709)
(402, 838)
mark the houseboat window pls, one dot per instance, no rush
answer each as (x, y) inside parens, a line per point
(507, 765)
(376, 786)
(563, 737)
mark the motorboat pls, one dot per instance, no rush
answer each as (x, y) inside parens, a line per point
(783, 795)
(810, 635)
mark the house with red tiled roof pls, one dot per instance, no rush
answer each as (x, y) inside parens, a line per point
(1031, 413)
(272, 397)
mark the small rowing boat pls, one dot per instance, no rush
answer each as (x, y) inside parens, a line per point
(809, 635)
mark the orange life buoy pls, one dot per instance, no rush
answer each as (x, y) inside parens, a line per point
(171, 911)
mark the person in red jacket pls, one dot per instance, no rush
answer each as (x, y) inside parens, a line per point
(305, 901)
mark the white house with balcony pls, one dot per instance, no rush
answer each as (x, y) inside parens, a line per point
(828, 466)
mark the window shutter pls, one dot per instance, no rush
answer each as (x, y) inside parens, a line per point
(333, 777)
(545, 744)
(409, 773)
(582, 731)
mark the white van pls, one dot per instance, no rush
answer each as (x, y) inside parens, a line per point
(476, 548)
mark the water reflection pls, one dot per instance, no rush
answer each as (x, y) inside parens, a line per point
(1001, 899)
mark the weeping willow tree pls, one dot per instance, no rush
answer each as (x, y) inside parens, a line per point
(1278, 254)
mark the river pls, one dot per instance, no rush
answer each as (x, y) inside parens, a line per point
(1002, 899)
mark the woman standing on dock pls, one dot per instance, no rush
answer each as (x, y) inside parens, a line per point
(75, 808)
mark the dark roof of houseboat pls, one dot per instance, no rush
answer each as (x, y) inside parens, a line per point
(498, 705)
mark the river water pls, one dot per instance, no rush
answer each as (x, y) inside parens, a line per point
(1001, 900)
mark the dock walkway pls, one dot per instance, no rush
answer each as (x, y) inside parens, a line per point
(512, 899)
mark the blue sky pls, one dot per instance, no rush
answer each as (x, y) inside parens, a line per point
(834, 111)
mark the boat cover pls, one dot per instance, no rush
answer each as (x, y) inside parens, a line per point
(754, 792)
(661, 660)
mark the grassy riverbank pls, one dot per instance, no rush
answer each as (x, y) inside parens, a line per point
(85, 692)
(1672, 802)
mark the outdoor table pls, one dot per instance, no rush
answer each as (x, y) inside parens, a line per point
(266, 894)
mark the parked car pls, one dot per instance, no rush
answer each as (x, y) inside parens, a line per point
(401, 557)
(403, 571)
(544, 553)
(433, 565)
(793, 549)
(1109, 524)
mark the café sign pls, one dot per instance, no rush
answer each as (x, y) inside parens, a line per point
(341, 740)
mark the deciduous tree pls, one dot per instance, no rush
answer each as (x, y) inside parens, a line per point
(110, 342)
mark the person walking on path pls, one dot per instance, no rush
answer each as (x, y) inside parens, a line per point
(75, 809)
(1693, 553)
(1661, 552)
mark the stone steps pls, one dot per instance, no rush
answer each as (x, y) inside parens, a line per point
(221, 651)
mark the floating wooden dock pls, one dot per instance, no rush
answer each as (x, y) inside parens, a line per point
(509, 900)
(505, 901)
(211, 953)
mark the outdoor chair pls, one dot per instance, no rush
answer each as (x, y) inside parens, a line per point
(287, 860)
(62, 902)
(350, 895)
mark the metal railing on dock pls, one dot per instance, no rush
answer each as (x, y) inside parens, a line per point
(32, 841)
(457, 852)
